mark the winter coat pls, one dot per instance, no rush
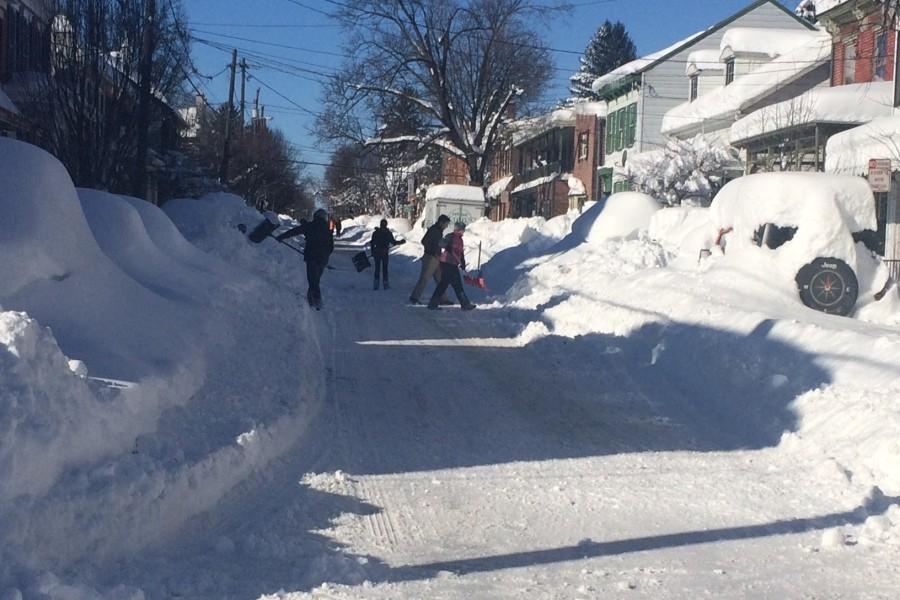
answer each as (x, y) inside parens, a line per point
(382, 240)
(319, 240)
(454, 250)
(432, 241)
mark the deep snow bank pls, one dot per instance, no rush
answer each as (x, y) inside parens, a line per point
(847, 413)
(224, 371)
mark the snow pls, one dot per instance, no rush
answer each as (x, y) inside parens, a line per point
(377, 450)
(449, 191)
(704, 60)
(533, 183)
(827, 209)
(639, 65)
(576, 186)
(770, 42)
(849, 152)
(820, 6)
(850, 104)
(153, 392)
(531, 127)
(496, 188)
(809, 50)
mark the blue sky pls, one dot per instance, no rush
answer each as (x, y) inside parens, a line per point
(306, 44)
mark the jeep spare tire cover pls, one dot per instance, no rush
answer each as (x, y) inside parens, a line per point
(828, 285)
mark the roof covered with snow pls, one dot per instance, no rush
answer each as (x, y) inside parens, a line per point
(768, 42)
(450, 191)
(531, 127)
(849, 152)
(640, 65)
(811, 50)
(849, 104)
(497, 188)
(704, 60)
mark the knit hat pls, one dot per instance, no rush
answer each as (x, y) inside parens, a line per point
(459, 225)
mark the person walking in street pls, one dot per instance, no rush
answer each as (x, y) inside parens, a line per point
(319, 246)
(381, 242)
(452, 260)
(431, 259)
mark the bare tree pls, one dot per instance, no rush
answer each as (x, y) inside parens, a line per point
(87, 102)
(458, 65)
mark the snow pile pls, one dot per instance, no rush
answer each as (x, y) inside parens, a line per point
(163, 383)
(622, 216)
(827, 209)
(849, 152)
(683, 230)
(704, 60)
(855, 103)
(769, 42)
(450, 191)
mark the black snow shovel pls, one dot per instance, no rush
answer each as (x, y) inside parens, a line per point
(361, 261)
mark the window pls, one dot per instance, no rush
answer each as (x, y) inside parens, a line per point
(583, 145)
(729, 71)
(879, 62)
(694, 86)
(850, 62)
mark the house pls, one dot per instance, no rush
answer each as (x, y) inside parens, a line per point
(752, 68)
(639, 94)
(549, 163)
(24, 49)
(793, 134)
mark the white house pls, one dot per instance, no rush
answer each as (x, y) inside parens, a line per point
(640, 93)
(758, 67)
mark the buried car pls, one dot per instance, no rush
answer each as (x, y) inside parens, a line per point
(817, 225)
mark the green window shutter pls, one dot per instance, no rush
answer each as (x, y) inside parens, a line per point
(632, 125)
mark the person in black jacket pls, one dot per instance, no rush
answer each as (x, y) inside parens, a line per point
(381, 242)
(319, 246)
(431, 256)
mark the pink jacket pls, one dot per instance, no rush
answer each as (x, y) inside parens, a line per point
(453, 249)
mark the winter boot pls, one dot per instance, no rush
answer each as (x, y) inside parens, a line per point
(387, 285)
(414, 301)
(376, 284)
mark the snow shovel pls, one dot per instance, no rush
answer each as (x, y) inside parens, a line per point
(265, 229)
(476, 278)
(361, 261)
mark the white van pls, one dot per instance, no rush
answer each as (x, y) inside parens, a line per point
(462, 203)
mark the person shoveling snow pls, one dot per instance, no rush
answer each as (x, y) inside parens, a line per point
(319, 246)
(381, 242)
(452, 260)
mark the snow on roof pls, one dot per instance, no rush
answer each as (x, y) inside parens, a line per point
(758, 40)
(528, 128)
(849, 152)
(825, 208)
(727, 101)
(704, 60)
(856, 103)
(7, 104)
(451, 191)
(638, 66)
(496, 188)
(535, 182)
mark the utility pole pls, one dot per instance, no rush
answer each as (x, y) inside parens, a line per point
(226, 150)
(145, 70)
(243, 86)
(256, 113)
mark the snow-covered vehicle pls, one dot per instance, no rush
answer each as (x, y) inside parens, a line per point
(462, 203)
(817, 225)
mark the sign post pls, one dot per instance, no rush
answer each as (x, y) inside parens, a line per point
(880, 175)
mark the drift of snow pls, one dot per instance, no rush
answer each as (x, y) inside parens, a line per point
(450, 191)
(151, 395)
(849, 152)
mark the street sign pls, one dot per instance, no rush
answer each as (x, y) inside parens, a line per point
(880, 174)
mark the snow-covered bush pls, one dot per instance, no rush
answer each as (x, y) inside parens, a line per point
(682, 169)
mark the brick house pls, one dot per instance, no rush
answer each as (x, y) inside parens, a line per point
(863, 47)
(549, 164)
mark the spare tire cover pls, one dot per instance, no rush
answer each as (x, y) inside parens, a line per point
(828, 285)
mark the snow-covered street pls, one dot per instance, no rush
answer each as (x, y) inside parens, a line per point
(452, 460)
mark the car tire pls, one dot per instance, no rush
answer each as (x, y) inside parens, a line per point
(828, 285)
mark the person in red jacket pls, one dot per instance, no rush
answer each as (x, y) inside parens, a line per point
(452, 260)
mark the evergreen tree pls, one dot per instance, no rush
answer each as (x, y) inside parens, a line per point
(611, 47)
